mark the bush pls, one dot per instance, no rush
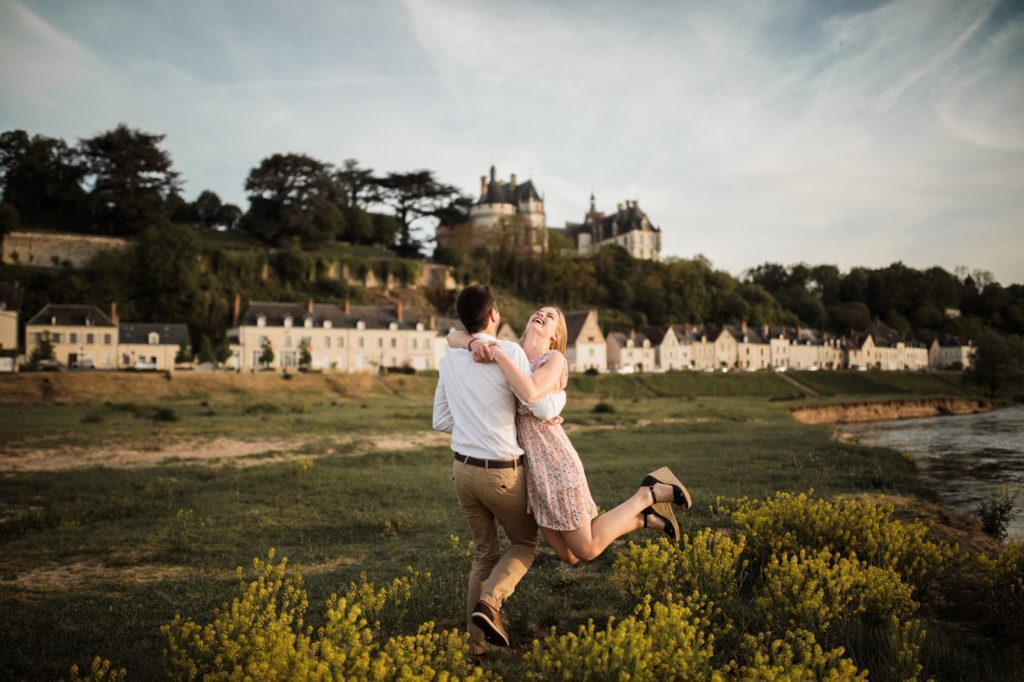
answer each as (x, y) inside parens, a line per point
(1003, 599)
(603, 408)
(710, 563)
(659, 642)
(261, 634)
(92, 418)
(591, 371)
(165, 414)
(797, 658)
(789, 522)
(99, 671)
(998, 511)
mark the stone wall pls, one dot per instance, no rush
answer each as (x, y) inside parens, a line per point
(56, 249)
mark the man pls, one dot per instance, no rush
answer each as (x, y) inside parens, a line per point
(474, 403)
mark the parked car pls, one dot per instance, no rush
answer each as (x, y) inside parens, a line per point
(781, 368)
(84, 363)
(723, 370)
(144, 365)
(49, 366)
(813, 368)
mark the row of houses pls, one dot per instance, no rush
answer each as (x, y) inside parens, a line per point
(360, 338)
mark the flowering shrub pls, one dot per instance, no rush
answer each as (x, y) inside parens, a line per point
(261, 635)
(663, 641)
(797, 658)
(1004, 589)
(841, 600)
(710, 563)
(789, 523)
(100, 671)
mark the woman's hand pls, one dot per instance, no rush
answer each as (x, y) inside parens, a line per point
(484, 352)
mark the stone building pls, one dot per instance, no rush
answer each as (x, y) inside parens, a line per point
(586, 347)
(78, 334)
(631, 352)
(82, 334)
(951, 353)
(56, 249)
(629, 227)
(155, 343)
(343, 338)
(506, 213)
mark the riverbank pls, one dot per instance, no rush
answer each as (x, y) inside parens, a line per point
(885, 410)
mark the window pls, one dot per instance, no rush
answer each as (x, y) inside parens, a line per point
(380, 343)
(154, 338)
(55, 337)
(287, 342)
(327, 342)
(361, 340)
(106, 339)
(90, 338)
(394, 342)
(341, 342)
(415, 344)
(72, 337)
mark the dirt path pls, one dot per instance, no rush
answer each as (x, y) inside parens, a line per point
(799, 384)
(215, 452)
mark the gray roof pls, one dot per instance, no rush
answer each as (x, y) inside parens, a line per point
(138, 332)
(601, 227)
(373, 317)
(71, 315)
(506, 193)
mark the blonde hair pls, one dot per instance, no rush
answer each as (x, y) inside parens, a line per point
(561, 338)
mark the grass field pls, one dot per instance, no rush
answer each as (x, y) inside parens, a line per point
(161, 487)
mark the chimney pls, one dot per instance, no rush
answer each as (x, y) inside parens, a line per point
(309, 306)
(348, 306)
(483, 186)
(236, 310)
(399, 312)
(113, 312)
(492, 174)
(764, 330)
(512, 181)
(621, 207)
(433, 322)
(743, 326)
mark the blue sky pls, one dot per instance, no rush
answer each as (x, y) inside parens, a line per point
(819, 131)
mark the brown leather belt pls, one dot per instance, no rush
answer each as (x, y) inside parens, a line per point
(491, 463)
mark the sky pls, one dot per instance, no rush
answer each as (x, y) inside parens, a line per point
(823, 131)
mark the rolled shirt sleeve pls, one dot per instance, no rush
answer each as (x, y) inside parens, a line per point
(550, 406)
(443, 420)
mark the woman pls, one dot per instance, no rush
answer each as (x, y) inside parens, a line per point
(557, 490)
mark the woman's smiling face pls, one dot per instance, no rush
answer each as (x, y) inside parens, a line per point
(545, 321)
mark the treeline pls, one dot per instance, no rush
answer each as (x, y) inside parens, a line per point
(123, 181)
(919, 304)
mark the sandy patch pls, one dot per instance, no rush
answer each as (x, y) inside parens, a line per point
(85, 573)
(213, 452)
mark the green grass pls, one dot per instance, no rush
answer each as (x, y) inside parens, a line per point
(885, 383)
(187, 524)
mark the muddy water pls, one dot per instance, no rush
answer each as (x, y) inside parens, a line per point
(966, 458)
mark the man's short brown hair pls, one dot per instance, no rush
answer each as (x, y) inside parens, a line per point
(474, 305)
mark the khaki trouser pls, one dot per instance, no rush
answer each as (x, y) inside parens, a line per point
(486, 495)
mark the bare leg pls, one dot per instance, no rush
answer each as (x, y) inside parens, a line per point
(588, 541)
(557, 543)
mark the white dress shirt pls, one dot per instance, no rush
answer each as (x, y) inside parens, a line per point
(474, 403)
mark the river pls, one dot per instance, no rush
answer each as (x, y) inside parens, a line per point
(966, 459)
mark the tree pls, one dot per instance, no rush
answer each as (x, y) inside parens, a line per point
(413, 196)
(292, 196)
(266, 353)
(9, 218)
(167, 274)
(131, 178)
(42, 351)
(205, 353)
(229, 217)
(222, 352)
(42, 178)
(184, 353)
(997, 362)
(207, 208)
(358, 187)
(305, 357)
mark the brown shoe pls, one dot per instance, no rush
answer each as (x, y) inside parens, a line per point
(489, 620)
(681, 496)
